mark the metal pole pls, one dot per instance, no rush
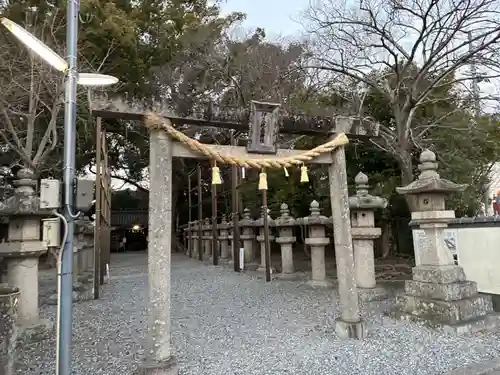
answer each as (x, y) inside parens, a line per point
(200, 215)
(66, 296)
(267, 245)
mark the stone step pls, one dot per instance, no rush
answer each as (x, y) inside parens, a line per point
(444, 292)
(479, 324)
(445, 312)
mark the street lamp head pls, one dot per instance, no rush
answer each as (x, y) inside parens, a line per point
(94, 79)
(36, 45)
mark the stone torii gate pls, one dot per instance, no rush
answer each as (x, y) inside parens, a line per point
(165, 145)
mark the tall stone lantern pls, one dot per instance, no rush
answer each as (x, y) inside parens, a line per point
(24, 247)
(362, 206)
(439, 293)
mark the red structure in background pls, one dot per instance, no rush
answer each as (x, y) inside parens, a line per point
(496, 203)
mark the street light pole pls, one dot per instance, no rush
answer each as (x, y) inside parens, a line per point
(64, 339)
(73, 78)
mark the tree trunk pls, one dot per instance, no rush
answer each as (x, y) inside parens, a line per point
(385, 240)
(406, 165)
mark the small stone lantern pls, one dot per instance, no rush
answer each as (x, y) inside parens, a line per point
(23, 249)
(247, 237)
(317, 240)
(207, 239)
(230, 238)
(195, 239)
(362, 207)
(439, 293)
(190, 234)
(223, 240)
(261, 239)
(286, 239)
(88, 236)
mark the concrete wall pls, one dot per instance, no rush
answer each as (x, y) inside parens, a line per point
(478, 250)
(476, 243)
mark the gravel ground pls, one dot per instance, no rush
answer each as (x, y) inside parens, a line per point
(225, 323)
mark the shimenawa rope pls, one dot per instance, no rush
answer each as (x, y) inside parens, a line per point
(153, 121)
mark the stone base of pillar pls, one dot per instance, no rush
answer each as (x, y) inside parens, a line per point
(223, 261)
(251, 266)
(220, 262)
(443, 299)
(350, 330)
(373, 294)
(81, 292)
(263, 269)
(32, 331)
(170, 367)
(321, 283)
(288, 276)
(86, 277)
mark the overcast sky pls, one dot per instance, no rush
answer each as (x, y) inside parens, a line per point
(277, 17)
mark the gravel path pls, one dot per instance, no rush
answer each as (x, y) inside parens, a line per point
(230, 324)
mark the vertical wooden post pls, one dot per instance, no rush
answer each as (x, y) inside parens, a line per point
(97, 227)
(236, 215)
(190, 203)
(267, 245)
(200, 214)
(105, 207)
(215, 240)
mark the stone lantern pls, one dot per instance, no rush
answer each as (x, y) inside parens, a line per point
(362, 207)
(317, 240)
(207, 239)
(196, 241)
(88, 234)
(439, 293)
(24, 247)
(247, 237)
(223, 240)
(230, 238)
(286, 239)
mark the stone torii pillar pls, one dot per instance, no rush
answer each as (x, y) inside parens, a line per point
(439, 293)
(286, 239)
(159, 359)
(363, 229)
(350, 324)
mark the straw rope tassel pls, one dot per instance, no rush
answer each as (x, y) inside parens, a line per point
(216, 179)
(303, 174)
(263, 180)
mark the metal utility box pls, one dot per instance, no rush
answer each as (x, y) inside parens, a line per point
(51, 234)
(84, 194)
(50, 194)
